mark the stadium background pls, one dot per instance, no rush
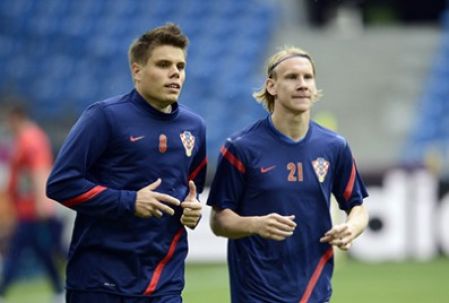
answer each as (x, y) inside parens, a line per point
(383, 67)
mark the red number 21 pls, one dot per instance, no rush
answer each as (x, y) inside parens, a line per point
(295, 172)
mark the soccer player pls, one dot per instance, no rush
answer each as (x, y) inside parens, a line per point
(125, 167)
(271, 193)
(37, 227)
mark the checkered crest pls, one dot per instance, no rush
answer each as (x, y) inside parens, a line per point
(188, 140)
(321, 166)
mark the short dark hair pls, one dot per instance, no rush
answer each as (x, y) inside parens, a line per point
(14, 106)
(18, 110)
(168, 34)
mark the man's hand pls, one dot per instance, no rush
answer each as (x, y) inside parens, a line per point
(191, 212)
(274, 226)
(340, 235)
(150, 203)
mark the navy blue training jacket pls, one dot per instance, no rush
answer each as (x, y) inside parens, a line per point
(261, 171)
(117, 147)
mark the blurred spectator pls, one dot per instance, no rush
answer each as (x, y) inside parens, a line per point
(37, 228)
(6, 212)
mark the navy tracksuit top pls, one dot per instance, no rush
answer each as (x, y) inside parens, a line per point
(261, 171)
(117, 147)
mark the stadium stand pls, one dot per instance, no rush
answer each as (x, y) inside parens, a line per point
(431, 130)
(62, 55)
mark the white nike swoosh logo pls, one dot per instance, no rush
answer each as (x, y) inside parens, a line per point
(264, 170)
(134, 139)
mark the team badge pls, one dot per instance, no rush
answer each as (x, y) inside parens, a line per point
(188, 140)
(321, 166)
(162, 143)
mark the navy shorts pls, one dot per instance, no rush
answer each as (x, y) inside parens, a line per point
(96, 297)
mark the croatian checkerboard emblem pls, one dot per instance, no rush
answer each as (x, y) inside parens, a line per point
(321, 166)
(188, 140)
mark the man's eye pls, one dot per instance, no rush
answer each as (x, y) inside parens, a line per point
(163, 64)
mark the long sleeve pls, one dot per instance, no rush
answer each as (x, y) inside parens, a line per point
(69, 183)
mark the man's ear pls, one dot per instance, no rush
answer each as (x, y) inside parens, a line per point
(271, 87)
(136, 70)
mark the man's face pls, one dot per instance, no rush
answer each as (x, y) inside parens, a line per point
(160, 80)
(13, 123)
(294, 86)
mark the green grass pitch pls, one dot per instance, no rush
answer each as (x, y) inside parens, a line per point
(353, 282)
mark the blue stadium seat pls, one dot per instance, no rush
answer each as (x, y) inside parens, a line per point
(75, 52)
(18, 8)
(445, 18)
(7, 48)
(432, 126)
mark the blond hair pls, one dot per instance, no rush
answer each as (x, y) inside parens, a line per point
(262, 96)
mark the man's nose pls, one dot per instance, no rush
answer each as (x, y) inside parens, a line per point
(303, 83)
(174, 71)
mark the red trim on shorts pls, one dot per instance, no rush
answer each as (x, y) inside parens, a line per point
(316, 274)
(90, 194)
(197, 170)
(160, 267)
(350, 186)
(233, 159)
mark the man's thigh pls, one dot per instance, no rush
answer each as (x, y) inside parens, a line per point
(95, 297)
(91, 297)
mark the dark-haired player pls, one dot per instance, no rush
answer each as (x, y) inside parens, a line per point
(131, 168)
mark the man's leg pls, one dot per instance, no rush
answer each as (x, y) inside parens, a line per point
(95, 297)
(166, 299)
(42, 247)
(91, 297)
(19, 240)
